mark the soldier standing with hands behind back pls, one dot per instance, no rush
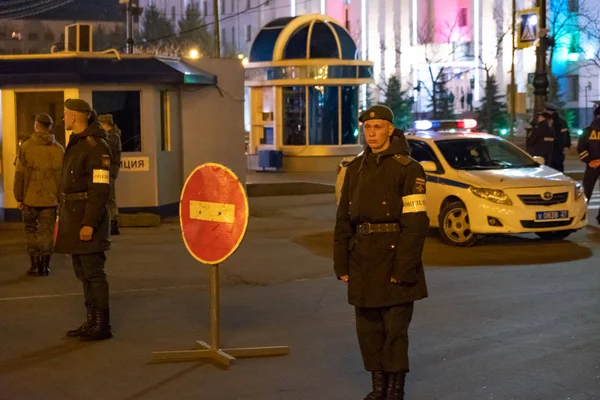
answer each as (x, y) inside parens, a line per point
(83, 229)
(114, 142)
(37, 178)
(380, 232)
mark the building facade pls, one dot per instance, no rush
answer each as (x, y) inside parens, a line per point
(429, 41)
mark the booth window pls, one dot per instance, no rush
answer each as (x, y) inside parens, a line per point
(323, 115)
(125, 109)
(294, 115)
(349, 104)
(28, 104)
(165, 120)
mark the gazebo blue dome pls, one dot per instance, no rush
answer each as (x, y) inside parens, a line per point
(313, 39)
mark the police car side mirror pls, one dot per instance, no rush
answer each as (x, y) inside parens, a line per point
(429, 166)
(539, 160)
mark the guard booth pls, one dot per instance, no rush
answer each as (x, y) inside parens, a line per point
(304, 78)
(171, 113)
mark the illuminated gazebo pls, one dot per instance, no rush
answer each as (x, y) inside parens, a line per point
(303, 78)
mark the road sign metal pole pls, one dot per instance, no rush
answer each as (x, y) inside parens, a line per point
(214, 306)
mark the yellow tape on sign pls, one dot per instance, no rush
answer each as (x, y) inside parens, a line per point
(214, 212)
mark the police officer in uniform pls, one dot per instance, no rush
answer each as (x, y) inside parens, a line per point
(83, 228)
(380, 231)
(588, 149)
(562, 138)
(540, 141)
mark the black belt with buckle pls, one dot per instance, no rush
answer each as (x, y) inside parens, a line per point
(367, 228)
(74, 196)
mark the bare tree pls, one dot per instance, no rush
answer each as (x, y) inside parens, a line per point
(437, 54)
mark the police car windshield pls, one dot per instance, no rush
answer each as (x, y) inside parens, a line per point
(479, 154)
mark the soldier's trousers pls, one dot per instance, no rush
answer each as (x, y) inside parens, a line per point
(112, 201)
(39, 225)
(89, 269)
(383, 337)
(590, 177)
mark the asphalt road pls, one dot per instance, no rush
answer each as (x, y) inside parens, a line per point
(513, 318)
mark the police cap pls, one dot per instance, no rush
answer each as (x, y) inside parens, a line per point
(551, 107)
(377, 112)
(78, 105)
(597, 111)
(44, 119)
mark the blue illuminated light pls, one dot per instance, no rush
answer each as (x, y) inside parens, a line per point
(580, 132)
(504, 132)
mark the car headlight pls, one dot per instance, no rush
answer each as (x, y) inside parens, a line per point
(495, 196)
(578, 191)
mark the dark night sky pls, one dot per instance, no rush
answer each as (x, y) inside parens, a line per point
(85, 10)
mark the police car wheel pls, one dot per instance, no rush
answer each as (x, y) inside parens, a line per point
(554, 235)
(455, 228)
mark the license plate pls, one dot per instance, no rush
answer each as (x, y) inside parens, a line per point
(551, 215)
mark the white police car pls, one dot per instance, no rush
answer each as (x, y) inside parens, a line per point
(481, 184)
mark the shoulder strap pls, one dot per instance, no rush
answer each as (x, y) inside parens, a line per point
(402, 159)
(91, 141)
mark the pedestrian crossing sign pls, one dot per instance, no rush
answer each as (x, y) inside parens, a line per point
(528, 27)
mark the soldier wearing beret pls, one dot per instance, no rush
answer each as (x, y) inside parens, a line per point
(37, 176)
(83, 228)
(380, 231)
(540, 142)
(562, 137)
(114, 142)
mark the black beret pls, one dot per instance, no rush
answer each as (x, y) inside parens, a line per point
(78, 105)
(377, 112)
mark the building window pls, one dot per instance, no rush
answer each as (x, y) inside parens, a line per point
(248, 3)
(165, 120)
(248, 33)
(573, 6)
(294, 115)
(323, 117)
(573, 88)
(224, 36)
(205, 7)
(232, 6)
(462, 17)
(173, 13)
(233, 37)
(125, 109)
(32, 36)
(222, 6)
(349, 108)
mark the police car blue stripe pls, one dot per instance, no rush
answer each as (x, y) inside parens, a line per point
(449, 182)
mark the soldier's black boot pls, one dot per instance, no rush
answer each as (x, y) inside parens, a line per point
(100, 329)
(114, 227)
(86, 325)
(44, 268)
(379, 379)
(395, 389)
(35, 265)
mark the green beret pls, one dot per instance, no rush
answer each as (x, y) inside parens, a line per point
(78, 105)
(377, 112)
(44, 119)
(106, 119)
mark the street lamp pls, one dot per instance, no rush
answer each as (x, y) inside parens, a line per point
(540, 82)
(194, 54)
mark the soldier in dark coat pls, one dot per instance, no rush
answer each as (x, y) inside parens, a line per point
(114, 142)
(540, 142)
(83, 228)
(562, 138)
(380, 232)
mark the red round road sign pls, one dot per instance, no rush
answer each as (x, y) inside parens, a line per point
(213, 212)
